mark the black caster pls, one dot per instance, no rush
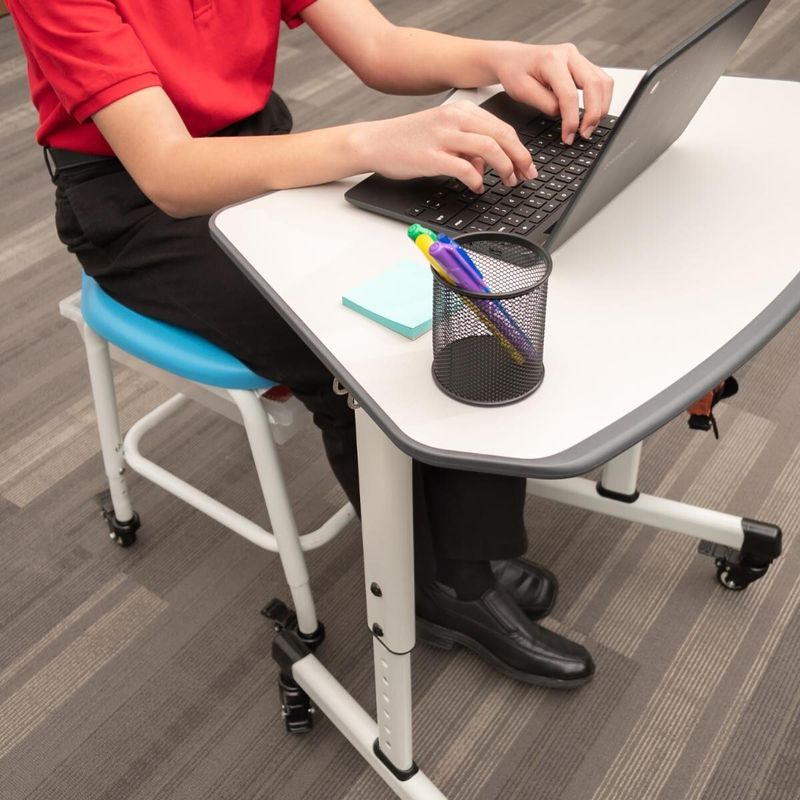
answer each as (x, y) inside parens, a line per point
(737, 569)
(288, 647)
(297, 709)
(123, 533)
(737, 577)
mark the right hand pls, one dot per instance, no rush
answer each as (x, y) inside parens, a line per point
(457, 139)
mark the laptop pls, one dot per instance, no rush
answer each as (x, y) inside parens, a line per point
(575, 181)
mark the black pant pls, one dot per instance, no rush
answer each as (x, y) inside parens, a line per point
(172, 270)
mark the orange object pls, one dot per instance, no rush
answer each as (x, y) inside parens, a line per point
(701, 414)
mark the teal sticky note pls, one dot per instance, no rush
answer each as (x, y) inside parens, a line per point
(399, 298)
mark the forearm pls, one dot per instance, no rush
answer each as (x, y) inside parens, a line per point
(414, 61)
(199, 176)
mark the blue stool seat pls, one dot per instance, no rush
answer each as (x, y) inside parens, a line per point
(175, 350)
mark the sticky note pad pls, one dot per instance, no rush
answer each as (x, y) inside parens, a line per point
(399, 298)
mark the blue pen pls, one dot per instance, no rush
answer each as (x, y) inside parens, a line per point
(468, 264)
(463, 254)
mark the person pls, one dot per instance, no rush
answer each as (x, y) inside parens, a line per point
(153, 117)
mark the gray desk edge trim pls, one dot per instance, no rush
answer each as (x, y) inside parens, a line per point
(593, 451)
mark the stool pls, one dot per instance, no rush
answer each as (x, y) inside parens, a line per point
(209, 374)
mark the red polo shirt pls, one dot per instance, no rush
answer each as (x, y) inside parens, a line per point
(214, 58)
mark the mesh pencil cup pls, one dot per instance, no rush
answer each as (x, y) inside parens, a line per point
(488, 346)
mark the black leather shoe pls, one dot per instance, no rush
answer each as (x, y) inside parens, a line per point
(500, 633)
(533, 587)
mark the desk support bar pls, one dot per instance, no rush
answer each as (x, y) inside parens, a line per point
(387, 530)
(657, 512)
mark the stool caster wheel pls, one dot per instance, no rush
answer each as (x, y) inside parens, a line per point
(737, 577)
(297, 709)
(123, 533)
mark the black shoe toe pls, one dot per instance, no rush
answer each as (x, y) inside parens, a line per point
(494, 627)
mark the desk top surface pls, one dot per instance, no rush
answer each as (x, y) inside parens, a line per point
(674, 284)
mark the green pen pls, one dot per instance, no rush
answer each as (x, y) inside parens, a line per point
(417, 230)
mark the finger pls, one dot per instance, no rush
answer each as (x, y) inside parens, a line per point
(530, 91)
(479, 164)
(478, 120)
(461, 169)
(588, 78)
(472, 145)
(562, 84)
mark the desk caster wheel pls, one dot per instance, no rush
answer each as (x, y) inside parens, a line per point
(737, 577)
(123, 533)
(297, 709)
(728, 577)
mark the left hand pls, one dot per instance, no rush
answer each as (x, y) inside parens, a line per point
(549, 76)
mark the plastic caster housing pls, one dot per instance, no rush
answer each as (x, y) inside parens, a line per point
(123, 533)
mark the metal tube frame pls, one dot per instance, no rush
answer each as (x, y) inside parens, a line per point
(619, 478)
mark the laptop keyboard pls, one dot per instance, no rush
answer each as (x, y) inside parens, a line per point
(529, 205)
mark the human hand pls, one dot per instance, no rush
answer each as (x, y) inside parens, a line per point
(548, 77)
(457, 139)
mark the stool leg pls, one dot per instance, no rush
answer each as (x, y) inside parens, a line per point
(283, 524)
(125, 521)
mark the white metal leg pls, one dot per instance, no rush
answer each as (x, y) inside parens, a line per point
(357, 726)
(387, 526)
(284, 528)
(621, 473)
(105, 405)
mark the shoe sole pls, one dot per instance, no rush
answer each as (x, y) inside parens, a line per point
(445, 638)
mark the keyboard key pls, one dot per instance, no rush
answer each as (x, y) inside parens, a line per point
(479, 206)
(593, 153)
(460, 221)
(581, 145)
(535, 126)
(499, 211)
(469, 197)
(502, 227)
(539, 216)
(477, 227)
(489, 219)
(438, 217)
(535, 202)
(492, 197)
(513, 219)
(534, 184)
(565, 177)
(526, 227)
(552, 150)
(434, 202)
(563, 161)
(512, 200)
(553, 169)
(524, 210)
(562, 196)
(576, 169)
(584, 162)
(454, 185)
(551, 206)
(490, 180)
(542, 158)
(416, 211)
(572, 153)
(545, 194)
(599, 145)
(555, 186)
(501, 189)
(523, 192)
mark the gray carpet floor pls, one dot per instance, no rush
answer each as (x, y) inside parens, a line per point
(146, 674)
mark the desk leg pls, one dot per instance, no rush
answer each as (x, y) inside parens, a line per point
(743, 548)
(387, 525)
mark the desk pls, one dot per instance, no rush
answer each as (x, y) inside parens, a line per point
(676, 283)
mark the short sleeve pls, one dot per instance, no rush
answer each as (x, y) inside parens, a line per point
(85, 50)
(290, 11)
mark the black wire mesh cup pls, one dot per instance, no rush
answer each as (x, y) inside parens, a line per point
(488, 347)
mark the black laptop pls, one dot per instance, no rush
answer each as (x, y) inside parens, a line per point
(575, 181)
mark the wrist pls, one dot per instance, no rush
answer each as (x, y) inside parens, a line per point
(496, 57)
(361, 139)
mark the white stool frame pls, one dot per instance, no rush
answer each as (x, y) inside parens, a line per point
(262, 432)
